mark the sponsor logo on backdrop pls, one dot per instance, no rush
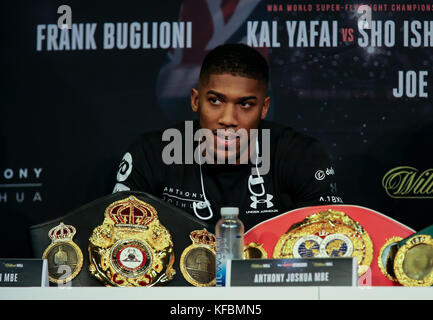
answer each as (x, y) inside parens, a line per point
(18, 185)
(408, 182)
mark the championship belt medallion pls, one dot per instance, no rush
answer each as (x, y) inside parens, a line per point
(197, 262)
(131, 248)
(327, 234)
(254, 250)
(64, 257)
(413, 264)
(385, 260)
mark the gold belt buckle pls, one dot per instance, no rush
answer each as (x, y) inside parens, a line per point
(327, 234)
(64, 257)
(385, 259)
(254, 250)
(413, 264)
(131, 248)
(197, 262)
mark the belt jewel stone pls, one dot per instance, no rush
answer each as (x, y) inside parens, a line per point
(131, 248)
(64, 257)
(327, 234)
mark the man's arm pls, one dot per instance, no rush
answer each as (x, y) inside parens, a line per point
(139, 169)
(310, 175)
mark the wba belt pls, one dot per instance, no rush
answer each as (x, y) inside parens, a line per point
(124, 239)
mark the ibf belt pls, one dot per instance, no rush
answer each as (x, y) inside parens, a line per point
(131, 247)
(327, 234)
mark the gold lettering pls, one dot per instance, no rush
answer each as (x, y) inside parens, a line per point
(419, 188)
(395, 179)
(406, 182)
(406, 185)
(429, 189)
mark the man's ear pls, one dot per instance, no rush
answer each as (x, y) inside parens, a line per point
(265, 108)
(194, 100)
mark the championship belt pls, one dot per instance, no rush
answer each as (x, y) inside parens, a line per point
(327, 234)
(131, 247)
(197, 262)
(413, 262)
(335, 231)
(64, 257)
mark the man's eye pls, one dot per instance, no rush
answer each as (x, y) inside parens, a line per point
(246, 104)
(214, 100)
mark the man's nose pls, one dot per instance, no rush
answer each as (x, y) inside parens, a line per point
(228, 116)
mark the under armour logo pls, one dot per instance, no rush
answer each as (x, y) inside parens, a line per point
(268, 202)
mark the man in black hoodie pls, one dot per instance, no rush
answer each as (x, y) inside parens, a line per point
(237, 158)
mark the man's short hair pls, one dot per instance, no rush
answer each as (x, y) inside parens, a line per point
(236, 59)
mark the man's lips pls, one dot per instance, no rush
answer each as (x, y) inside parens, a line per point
(226, 138)
(226, 141)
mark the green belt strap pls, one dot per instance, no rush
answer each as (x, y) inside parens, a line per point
(426, 231)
